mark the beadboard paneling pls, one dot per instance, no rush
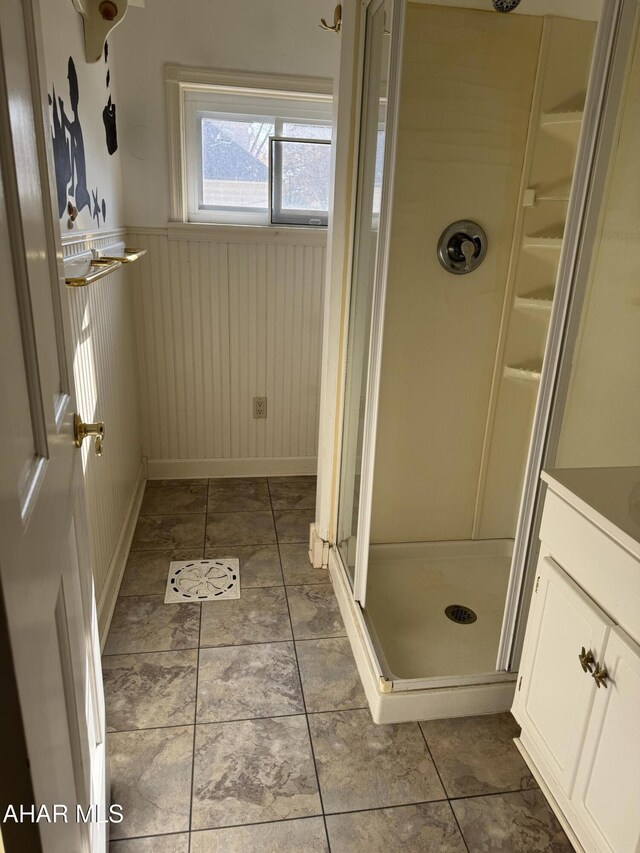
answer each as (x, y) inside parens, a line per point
(217, 323)
(106, 385)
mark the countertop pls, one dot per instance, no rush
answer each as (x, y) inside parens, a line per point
(609, 496)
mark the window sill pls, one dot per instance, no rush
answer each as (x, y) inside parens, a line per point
(271, 234)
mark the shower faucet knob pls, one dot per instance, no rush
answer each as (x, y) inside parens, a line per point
(462, 247)
(468, 249)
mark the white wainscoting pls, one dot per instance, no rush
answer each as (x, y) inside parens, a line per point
(223, 315)
(107, 389)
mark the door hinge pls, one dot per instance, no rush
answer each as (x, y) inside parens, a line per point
(537, 583)
(520, 683)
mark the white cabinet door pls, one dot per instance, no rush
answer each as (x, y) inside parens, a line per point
(607, 789)
(556, 695)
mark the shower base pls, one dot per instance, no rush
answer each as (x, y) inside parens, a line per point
(410, 585)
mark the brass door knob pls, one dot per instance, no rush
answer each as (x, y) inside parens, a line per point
(600, 676)
(82, 431)
(586, 660)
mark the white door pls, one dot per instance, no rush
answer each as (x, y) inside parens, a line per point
(45, 575)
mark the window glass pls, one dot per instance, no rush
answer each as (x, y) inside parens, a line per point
(306, 131)
(235, 163)
(301, 179)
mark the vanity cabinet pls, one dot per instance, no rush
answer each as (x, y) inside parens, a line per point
(578, 694)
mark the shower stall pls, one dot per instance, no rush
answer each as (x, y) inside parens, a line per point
(472, 138)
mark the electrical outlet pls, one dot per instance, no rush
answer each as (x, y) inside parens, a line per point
(259, 407)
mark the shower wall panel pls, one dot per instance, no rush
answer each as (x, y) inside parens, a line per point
(467, 84)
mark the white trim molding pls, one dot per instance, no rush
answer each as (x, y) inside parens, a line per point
(179, 469)
(273, 235)
(109, 593)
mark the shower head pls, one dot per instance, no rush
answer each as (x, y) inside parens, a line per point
(505, 5)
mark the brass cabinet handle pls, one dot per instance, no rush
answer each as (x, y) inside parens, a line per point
(82, 430)
(600, 675)
(586, 659)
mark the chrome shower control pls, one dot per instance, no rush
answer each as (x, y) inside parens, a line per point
(462, 247)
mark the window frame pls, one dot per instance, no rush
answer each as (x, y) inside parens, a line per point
(185, 85)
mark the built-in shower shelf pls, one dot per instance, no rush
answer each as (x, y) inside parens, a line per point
(539, 300)
(542, 241)
(532, 197)
(562, 117)
(529, 370)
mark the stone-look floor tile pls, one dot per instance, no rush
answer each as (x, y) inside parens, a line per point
(305, 835)
(156, 844)
(144, 623)
(151, 780)
(239, 494)
(173, 497)
(155, 532)
(297, 568)
(404, 829)
(147, 571)
(243, 682)
(362, 765)
(293, 492)
(315, 612)
(329, 675)
(252, 772)
(258, 616)
(293, 524)
(259, 564)
(476, 755)
(145, 691)
(240, 528)
(519, 822)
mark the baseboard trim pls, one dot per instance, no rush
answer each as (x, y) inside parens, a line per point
(179, 469)
(109, 593)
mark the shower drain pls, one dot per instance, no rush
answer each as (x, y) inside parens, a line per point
(460, 614)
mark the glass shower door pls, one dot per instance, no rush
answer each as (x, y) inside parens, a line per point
(373, 131)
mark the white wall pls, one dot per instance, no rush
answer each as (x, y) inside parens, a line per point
(107, 389)
(101, 314)
(217, 323)
(271, 36)
(219, 320)
(63, 37)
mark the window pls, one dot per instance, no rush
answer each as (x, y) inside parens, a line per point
(255, 156)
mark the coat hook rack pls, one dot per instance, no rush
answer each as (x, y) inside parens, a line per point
(337, 21)
(99, 18)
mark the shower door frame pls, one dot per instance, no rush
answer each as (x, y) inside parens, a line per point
(379, 292)
(606, 82)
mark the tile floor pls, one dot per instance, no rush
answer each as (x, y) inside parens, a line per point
(240, 726)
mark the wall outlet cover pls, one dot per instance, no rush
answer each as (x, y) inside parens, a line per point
(259, 407)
